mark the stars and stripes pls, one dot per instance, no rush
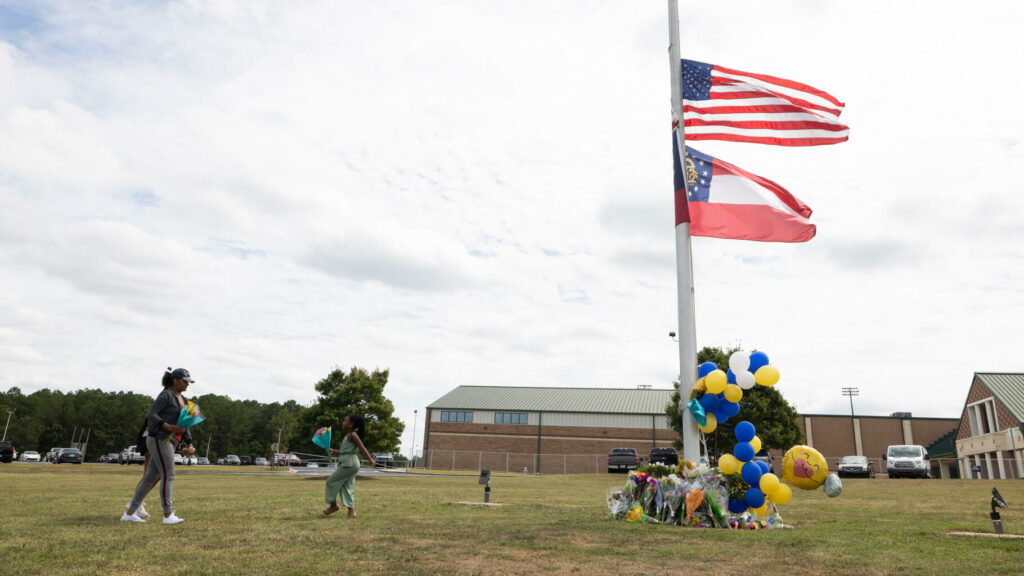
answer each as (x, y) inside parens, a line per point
(725, 104)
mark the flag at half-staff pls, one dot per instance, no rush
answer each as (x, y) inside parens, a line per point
(722, 103)
(721, 200)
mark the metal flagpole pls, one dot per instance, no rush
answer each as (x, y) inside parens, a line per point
(684, 261)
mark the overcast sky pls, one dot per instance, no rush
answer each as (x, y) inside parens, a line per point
(481, 193)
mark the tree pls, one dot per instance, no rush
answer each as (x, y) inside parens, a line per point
(763, 406)
(358, 392)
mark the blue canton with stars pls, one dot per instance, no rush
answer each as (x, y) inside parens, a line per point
(698, 170)
(696, 80)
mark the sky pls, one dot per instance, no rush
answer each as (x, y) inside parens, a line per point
(474, 193)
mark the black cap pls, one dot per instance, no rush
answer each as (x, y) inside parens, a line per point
(183, 374)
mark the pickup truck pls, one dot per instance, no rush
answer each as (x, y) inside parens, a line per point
(623, 459)
(130, 456)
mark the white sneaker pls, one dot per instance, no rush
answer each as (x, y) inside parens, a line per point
(141, 512)
(126, 517)
(172, 519)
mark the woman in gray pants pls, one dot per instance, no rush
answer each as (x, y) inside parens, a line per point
(163, 425)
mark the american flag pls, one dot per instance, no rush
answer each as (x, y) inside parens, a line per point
(724, 104)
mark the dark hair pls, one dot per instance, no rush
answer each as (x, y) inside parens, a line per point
(358, 425)
(168, 379)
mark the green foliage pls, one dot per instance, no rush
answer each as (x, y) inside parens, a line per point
(657, 470)
(357, 392)
(764, 406)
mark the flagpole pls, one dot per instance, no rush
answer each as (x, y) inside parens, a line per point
(684, 260)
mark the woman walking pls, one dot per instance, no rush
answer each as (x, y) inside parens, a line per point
(343, 480)
(163, 418)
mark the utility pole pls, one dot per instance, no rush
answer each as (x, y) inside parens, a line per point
(851, 392)
(9, 412)
(209, 440)
(273, 459)
(412, 455)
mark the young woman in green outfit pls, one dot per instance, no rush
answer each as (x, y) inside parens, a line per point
(343, 481)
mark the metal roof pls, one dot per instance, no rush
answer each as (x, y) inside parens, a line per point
(531, 399)
(1007, 388)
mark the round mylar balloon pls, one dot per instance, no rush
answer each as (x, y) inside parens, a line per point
(782, 494)
(733, 393)
(739, 362)
(710, 423)
(833, 485)
(804, 467)
(706, 368)
(745, 380)
(766, 376)
(728, 464)
(715, 381)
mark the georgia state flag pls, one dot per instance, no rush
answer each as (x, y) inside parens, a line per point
(726, 201)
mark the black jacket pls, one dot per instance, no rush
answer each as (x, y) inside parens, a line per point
(166, 409)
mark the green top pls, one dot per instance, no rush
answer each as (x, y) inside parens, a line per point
(347, 447)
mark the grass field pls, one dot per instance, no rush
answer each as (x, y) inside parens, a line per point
(64, 520)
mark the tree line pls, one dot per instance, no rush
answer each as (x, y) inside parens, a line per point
(110, 421)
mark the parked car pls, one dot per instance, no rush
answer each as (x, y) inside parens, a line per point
(286, 460)
(29, 456)
(69, 456)
(667, 456)
(623, 459)
(384, 460)
(190, 460)
(220, 461)
(261, 462)
(51, 456)
(232, 460)
(132, 456)
(859, 466)
(203, 461)
(6, 452)
(245, 460)
(113, 458)
(312, 465)
(178, 458)
(907, 461)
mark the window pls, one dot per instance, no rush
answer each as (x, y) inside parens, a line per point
(510, 418)
(982, 417)
(447, 416)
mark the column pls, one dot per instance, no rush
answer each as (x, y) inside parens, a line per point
(1002, 468)
(988, 466)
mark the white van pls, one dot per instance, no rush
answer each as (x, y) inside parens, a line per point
(907, 461)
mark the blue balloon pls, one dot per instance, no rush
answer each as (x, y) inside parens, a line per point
(757, 359)
(752, 473)
(705, 369)
(728, 409)
(743, 452)
(730, 377)
(710, 402)
(765, 468)
(754, 497)
(745, 431)
(737, 506)
(720, 416)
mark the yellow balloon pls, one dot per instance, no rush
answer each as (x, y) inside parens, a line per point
(769, 484)
(756, 443)
(804, 467)
(710, 423)
(728, 464)
(782, 494)
(767, 376)
(716, 381)
(762, 511)
(733, 393)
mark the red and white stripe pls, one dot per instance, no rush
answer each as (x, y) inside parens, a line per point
(746, 107)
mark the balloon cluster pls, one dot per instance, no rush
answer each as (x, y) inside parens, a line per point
(764, 486)
(717, 394)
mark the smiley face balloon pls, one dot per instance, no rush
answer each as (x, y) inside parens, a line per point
(804, 467)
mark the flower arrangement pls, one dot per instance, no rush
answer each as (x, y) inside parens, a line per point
(188, 417)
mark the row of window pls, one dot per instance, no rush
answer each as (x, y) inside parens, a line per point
(499, 417)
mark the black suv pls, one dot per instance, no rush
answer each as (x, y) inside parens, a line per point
(6, 452)
(245, 460)
(667, 456)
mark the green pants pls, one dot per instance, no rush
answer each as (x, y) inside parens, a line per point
(343, 481)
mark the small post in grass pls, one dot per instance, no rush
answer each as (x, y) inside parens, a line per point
(485, 479)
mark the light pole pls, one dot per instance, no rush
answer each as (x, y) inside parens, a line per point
(273, 459)
(851, 392)
(209, 440)
(412, 456)
(9, 412)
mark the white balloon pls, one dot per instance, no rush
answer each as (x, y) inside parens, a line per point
(739, 362)
(745, 380)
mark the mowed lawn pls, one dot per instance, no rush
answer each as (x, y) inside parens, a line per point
(63, 519)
